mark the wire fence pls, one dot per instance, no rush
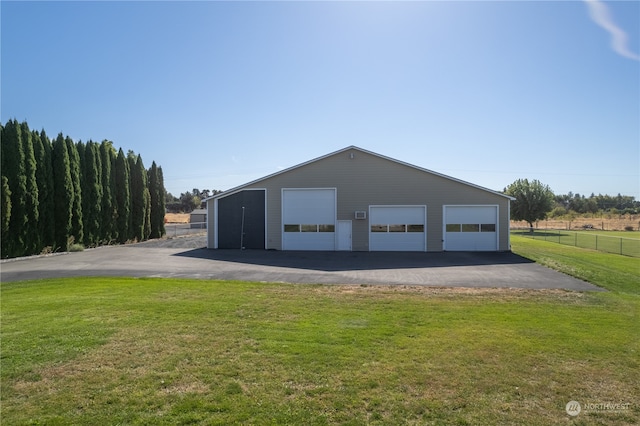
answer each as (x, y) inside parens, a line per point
(584, 239)
(181, 229)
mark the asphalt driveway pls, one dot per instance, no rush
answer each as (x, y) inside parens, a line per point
(187, 258)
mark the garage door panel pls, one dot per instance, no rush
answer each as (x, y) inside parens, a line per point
(309, 241)
(397, 242)
(309, 217)
(397, 228)
(471, 214)
(309, 206)
(467, 241)
(241, 220)
(471, 228)
(390, 214)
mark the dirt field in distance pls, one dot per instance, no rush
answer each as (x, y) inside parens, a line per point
(617, 223)
(601, 223)
(176, 218)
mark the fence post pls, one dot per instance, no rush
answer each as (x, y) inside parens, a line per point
(596, 241)
(575, 244)
(620, 245)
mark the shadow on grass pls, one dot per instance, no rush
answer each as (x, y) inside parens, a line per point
(354, 261)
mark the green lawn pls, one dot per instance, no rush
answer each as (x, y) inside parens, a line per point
(617, 234)
(611, 271)
(160, 351)
(615, 242)
(622, 234)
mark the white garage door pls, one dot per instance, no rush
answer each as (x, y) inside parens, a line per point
(308, 219)
(397, 228)
(471, 228)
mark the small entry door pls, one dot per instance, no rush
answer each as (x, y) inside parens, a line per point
(344, 235)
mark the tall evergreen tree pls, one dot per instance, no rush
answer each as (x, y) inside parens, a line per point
(77, 223)
(163, 200)
(122, 197)
(134, 194)
(44, 178)
(14, 169)
(63, 192)
(5, 211)
(80, 148)
(56, 191)
(31, 235)
(139, 199)
(92, 194)
(146, 227)
(157, 202)
(152, 177)
(107, 160)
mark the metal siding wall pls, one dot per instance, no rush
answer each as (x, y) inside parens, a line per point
(367, 180)
(211, 229)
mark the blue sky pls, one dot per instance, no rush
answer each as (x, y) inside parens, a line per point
(221, 93)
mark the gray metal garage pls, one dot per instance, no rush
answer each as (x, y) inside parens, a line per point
(354, 199)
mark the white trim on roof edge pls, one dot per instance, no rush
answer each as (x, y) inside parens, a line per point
(422, 169)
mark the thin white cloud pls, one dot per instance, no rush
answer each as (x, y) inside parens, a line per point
(599, 12)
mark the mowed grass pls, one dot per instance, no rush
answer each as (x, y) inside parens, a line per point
(612, 271)
(163, 351)
(620, 234)
(592, 232)
(615, 242)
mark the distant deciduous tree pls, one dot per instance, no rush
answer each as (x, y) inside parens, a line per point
(188, 201)
(533, 200)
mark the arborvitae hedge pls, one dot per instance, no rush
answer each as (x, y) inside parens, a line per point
(62, 194)
(55, 192)
(123, 198)
(13, 168)
(92, 193)
(44, 178)
(157, 199)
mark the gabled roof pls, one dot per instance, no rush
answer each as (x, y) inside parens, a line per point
(353, 147)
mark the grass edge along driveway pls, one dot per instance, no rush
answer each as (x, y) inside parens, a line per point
(164, 351)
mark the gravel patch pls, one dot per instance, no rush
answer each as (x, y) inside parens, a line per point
(186, 242)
